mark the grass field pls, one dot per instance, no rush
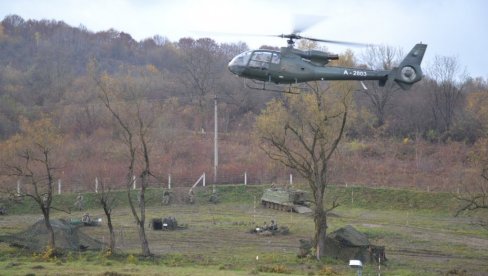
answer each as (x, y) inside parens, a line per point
(418, 229)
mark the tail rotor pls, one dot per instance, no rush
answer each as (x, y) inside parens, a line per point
(409, 71)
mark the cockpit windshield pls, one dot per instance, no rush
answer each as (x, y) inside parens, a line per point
(260, 60)
(241, 59)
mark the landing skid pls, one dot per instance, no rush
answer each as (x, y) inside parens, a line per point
(295, 88)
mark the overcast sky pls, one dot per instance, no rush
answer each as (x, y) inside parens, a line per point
(450, 27)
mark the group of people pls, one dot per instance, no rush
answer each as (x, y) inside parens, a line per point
(272, 227)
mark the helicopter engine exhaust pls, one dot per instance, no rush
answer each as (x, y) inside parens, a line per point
(317, 57)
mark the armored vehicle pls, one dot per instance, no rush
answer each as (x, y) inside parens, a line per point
(286, 200)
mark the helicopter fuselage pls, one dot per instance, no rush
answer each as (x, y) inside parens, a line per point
(290, 66)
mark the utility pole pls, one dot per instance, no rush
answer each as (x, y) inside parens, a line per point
(216, 149)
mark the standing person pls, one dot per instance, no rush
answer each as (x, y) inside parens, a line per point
(79, 202)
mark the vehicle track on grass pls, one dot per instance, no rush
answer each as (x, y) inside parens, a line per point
(442, 259)
(471, 249)
(228, 241)
(424, 233)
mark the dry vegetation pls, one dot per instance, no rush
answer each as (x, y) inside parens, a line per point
(418, 241)
(430, 139)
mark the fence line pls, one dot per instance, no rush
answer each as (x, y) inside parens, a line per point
(68, 185)
(77, 185)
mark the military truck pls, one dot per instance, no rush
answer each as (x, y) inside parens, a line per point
(289, 200)
(168, 223)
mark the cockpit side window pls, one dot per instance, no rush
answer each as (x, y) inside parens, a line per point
(276, 58)
(260, 59)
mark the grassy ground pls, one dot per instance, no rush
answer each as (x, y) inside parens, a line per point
(418, 230)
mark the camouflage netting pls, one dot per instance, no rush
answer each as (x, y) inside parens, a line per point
(66, 236)
(349, 244)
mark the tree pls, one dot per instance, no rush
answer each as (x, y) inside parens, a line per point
(446, 93)
(201, 67)
(477, 105)
(107, 200)
(380, 97)
(30, 156)
(475, 200)
(133, 116)
(302, 132)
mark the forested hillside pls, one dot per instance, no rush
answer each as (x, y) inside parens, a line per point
(427, 137)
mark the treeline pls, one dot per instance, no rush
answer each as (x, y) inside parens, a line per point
(50, 70)
(44, 65)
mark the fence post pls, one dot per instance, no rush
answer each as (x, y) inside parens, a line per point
(96, 185)
(59, 186)
(133, 182)
(254, 211)
(169, 181)
(291, 179)
(245, 178)
(352, 196)
(18, 187)
(201, 178)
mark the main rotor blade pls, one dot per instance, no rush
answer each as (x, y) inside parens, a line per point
(210, 34)
(347, 43)
(301, 22)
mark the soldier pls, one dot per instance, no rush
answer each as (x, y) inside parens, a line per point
(86, 218)
(3, 210)
(79, 202)
(139, 197)
(273, 226)
(191, 197)
(166, 198)
(44, 199)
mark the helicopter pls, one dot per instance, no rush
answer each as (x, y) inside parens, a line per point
(271, 68)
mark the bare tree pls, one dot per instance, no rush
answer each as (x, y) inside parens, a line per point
(123, 98)
(446, 92)
(476, 199)
(302, 132)
(106, 198)
(30, 156)
(199, 63)
(201, 67)
(380, 98)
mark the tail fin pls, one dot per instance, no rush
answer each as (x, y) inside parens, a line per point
(409, 71)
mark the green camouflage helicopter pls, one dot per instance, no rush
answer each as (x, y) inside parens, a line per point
(270, 68)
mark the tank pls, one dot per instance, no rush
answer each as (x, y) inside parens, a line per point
(289, 200)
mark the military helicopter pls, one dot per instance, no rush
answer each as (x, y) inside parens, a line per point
(269, 68)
